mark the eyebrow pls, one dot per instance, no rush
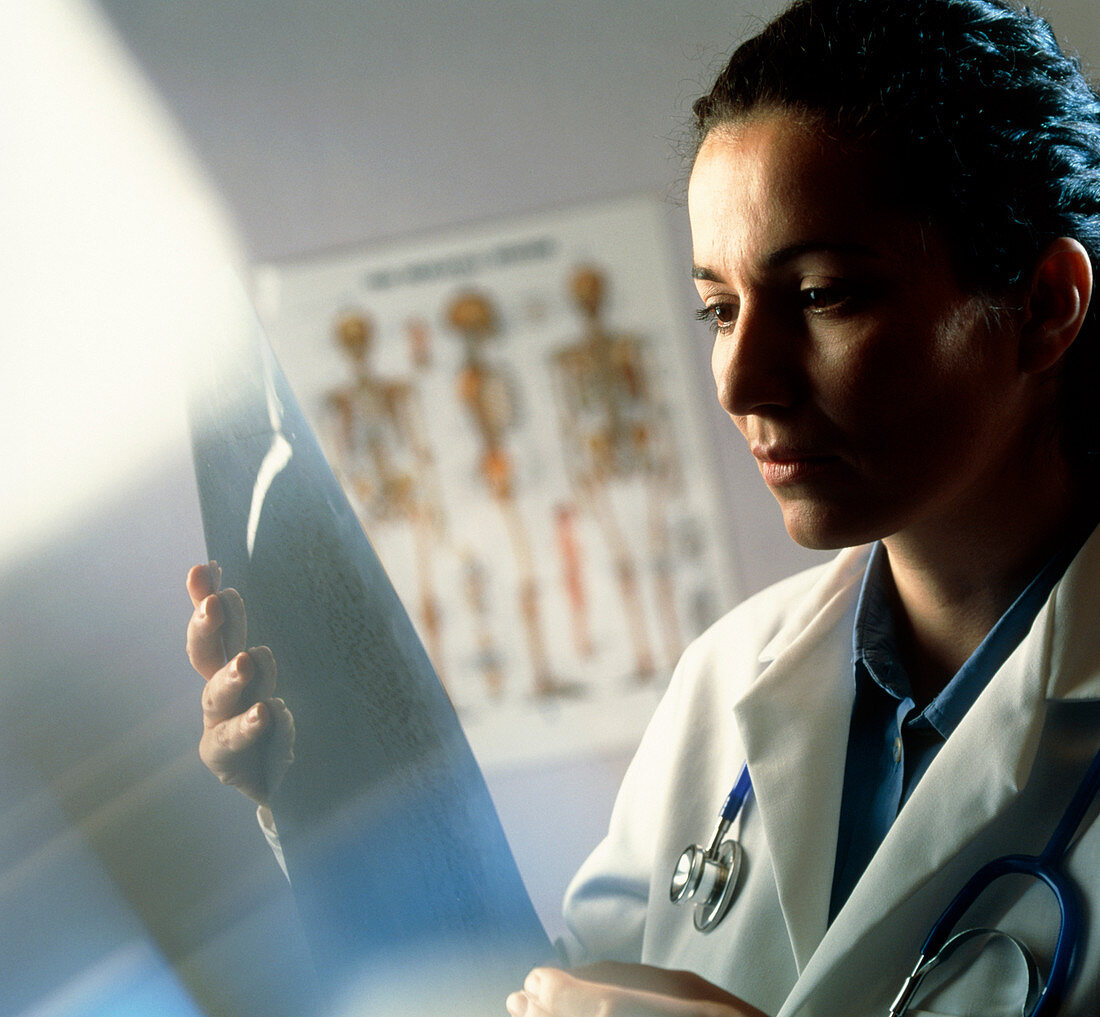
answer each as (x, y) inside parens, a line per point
(792, 252)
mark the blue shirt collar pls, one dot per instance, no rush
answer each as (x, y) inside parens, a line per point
(874, 643)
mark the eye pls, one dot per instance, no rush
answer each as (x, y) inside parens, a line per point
(721, 317)
(824, 296)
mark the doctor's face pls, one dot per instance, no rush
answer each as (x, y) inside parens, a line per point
(873, 390)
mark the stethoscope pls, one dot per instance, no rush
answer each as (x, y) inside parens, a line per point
(709, 879)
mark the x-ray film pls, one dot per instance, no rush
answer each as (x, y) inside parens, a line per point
(406, 887)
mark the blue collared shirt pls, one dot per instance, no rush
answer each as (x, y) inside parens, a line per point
(891, 743)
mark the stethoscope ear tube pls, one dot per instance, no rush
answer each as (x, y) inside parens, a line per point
(1038, 867)
(926, 964)
(1041, 867)
(940, 942)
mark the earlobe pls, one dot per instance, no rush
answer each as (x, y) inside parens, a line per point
(1055, 305)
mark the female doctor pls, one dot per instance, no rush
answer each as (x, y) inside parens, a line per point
(895, 213)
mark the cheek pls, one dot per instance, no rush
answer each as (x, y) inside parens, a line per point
(876, 400)
(910, 396)
(719, 369)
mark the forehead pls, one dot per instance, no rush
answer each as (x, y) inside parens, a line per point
(773, 182)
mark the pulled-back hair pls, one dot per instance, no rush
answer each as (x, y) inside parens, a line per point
(989, 130)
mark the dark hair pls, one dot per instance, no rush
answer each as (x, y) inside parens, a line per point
(990, 131)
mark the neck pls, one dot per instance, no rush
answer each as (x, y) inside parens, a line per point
(953, 580)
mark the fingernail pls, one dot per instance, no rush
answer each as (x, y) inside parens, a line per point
(532, 983)
(240, 668)
(253, 715)
(516, 1004)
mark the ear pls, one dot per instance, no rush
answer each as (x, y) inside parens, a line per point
(1055, 304)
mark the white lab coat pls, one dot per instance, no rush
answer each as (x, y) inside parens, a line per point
(771, 682)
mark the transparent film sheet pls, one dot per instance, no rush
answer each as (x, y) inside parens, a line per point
(407, 890)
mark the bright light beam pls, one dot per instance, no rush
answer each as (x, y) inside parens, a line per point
(113, 253)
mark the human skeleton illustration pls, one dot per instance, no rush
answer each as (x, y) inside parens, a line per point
(615, 430)
(384, 458)
(485, 392)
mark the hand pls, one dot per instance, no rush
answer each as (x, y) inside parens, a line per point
(623, 990)
(248, 734)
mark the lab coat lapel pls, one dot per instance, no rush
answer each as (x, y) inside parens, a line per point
(995, 747)
(794, 725)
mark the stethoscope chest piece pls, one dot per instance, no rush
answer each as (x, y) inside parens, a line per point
(709, 879)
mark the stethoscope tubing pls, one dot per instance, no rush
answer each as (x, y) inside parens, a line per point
(1037, 867)
(1040, 866)
(1075, 812)
(741, 789)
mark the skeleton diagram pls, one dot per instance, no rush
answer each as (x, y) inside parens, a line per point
(614, 429)
(487, 397)
(384, 457)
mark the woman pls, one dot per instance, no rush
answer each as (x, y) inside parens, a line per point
(895, 213)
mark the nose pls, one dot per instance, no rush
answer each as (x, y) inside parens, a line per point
(756, 366)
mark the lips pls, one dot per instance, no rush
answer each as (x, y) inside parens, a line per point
(781, 465)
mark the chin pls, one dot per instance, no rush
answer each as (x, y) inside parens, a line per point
(821, 529)
(821, 541)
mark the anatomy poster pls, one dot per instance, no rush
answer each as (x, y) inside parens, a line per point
(514, 413)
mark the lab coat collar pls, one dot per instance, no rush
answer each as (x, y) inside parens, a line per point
(995, 745)
(794, 720)
(839, 581)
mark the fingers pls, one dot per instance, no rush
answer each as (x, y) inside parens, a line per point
(253, 750)
(223, 744)
(262, 660)
(248, 735)
(672, 982)
(278, 749)
(247, 679)
(233, 750)
(216, 630)
(548, 992)
(204, 641)
(203, 580)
